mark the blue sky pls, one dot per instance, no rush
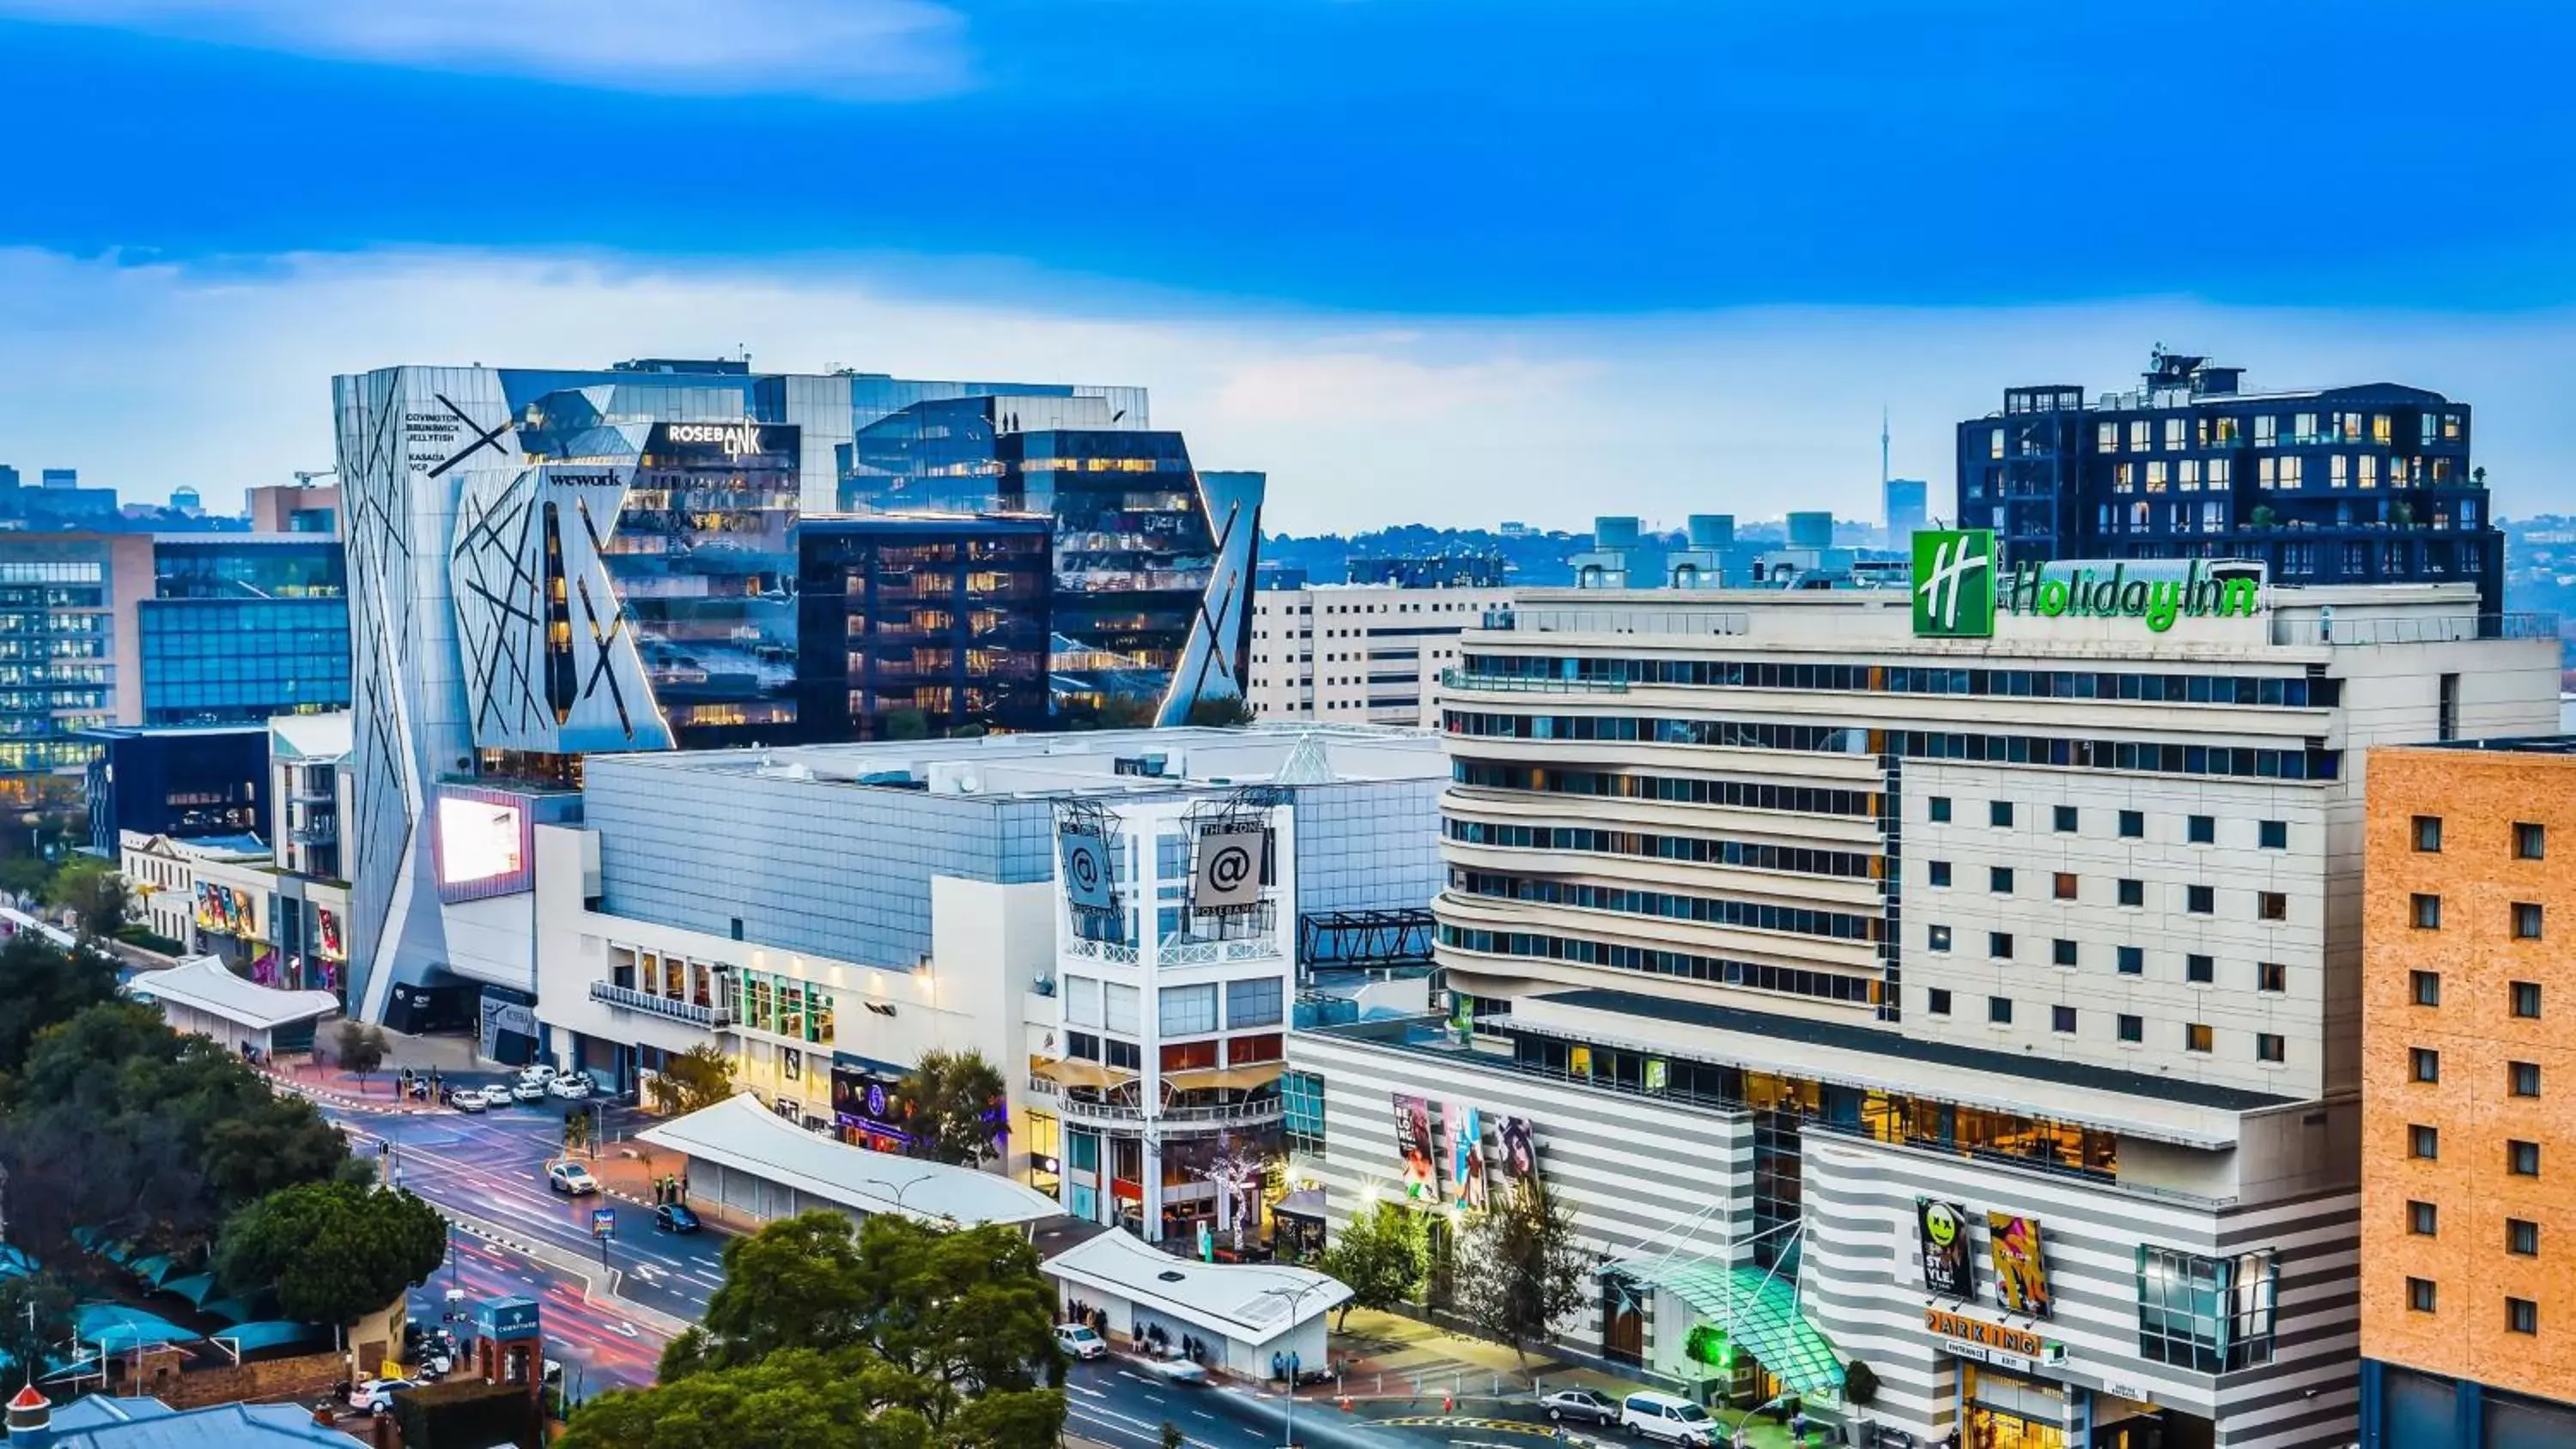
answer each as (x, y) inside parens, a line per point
(1427, 260)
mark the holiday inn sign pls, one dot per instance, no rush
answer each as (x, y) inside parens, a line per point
(1959, 586)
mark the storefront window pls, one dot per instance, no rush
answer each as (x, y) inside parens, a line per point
(791, 1008)
(763, 1015)
(818, 1017)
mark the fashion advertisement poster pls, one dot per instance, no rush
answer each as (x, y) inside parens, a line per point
(1413, 1146)
(1466, 1157)
(1520, 1151)
(2021, 1275)
(1941, 1229)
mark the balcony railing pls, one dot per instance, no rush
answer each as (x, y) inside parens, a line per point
(320, 832)
(2437, 629)
(1527, 684)
(1267, 1109)
(713, 1018)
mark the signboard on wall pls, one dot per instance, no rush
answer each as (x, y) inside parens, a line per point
(2021, 1274)
(1413, 1148)
(1466, 1156)
(1941, 1232)
(1084, 857)
(1520, 1151)
(1228, 877)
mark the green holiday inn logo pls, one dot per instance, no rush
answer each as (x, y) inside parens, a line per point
(1959, 587)
(1954, 583)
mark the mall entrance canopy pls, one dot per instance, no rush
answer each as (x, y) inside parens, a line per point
(745, 1158)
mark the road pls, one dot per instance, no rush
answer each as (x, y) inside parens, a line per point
(600, 1350)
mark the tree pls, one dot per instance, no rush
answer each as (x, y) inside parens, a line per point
(1229, 711)
(700, 1077)
(953, 1108)
(93, 892)
(1380, 1256)
(797, 1399)
(1520, 1268)
(43, 985)
(52, 1298)
(361, 1048)
(576, 1131)
(334, 1251)
(907, 724)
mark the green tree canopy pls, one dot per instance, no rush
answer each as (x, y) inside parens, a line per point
(53, 1301)
(1521, 1269)
(93, 891)
(1380, 1256)
(953, 1107)
(798, 1399)
(334, 1251)
(702, 1076)
(361, 1047)
(43, 985)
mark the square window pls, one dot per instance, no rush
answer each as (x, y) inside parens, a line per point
(2426, 987)
(2065, 819)
(2196, 1036)
(2428, 833)
(2522, 1238)
(2133, 825)
(2062, 1019)
(2063, 887)
(1999, 812)
(2424, 1144)
(2419, 1294)
(1999, 944)
(2133, 960)
(1937, 1001)
(2271, 976)
(1999, 1010)
(2202, 830)
(2132, 1028)
(2423, 1219)
(2530, 842)
(1936, 938)
(2271, 1046)
(1941, 874)
(2200, 970)
(2522, 1159)
(2423, 1064)
(2526, 921)
(2133, 892)
(2062, 952)
(2273, 835)
(2521, 1315)
(2271, 905)
(1999, 879)
(2200, 900)
(2526, 1000)
(1940, 807)
(2522, 1079)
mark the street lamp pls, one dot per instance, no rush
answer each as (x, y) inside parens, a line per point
(900, 1189)
(1295, 1297)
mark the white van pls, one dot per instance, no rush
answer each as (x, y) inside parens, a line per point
(1662, 1416)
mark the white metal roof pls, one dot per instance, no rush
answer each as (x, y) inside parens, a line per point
(206, 984)
(742, 1134)
(1250, 1303)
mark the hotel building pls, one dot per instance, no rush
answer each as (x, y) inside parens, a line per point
(2468, 1235)
(1984, 1010)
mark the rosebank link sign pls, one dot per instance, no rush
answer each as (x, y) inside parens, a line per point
(1960, 585)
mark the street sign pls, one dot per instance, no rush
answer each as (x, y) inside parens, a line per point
(603, 1222)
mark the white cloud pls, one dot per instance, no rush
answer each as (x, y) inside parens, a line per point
(148, 377)
(876, 48)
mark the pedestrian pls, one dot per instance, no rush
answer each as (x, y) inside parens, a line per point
(1798, 1428)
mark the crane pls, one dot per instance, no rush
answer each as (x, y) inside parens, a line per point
(304, 477)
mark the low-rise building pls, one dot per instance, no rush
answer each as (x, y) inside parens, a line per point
(1359, 653)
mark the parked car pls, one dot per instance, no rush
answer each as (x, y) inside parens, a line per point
(468, 1099)
(1582, 1405)
(571, 1179)
(1662, 1416)
(1078, 1340)
(674, 1217)
(375, 1396)
(538, 1073)
(527, 1091)
(571, 1086)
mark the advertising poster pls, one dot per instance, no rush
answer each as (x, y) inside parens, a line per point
(1941, 1229)
(1466, 1157)
(210, 917)
(327, 935)
(1520, 1151)
(1085, 859)
(1413, 1146)
(2021, 1275)
(1229, 869)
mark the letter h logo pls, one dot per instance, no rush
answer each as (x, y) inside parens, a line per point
(1954, 583)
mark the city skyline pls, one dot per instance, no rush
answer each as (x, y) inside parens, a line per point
(1409, 291)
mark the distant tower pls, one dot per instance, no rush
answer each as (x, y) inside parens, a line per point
(1882, 449)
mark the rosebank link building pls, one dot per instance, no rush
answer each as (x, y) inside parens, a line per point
(549, 563)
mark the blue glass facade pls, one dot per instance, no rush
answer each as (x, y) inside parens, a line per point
(241, 628)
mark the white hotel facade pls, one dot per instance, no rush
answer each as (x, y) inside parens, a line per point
(1785, 931)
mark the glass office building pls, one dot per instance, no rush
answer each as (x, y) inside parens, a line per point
(241, 627)
(923, 626)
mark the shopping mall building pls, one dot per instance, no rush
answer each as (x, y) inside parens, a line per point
(1971, 994)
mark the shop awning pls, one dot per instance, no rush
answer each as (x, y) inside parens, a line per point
(1068, 1072)
(1233, 1079)
(1757, 1308)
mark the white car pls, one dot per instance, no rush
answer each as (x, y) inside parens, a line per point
(1178, 1370)
(527, 1091)
(536, 1074)
(1662, 1416)
(571, 1179)
(1078, 1340)
(377, 1395)
(571, 1086)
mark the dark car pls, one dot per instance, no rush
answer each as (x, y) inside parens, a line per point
(1580, 1404)
(672, 1217)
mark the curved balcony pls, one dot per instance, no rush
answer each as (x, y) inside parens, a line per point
(1111, 1114)
(627, 998)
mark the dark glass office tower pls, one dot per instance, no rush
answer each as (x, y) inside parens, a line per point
(915, 627)
(2345, 485)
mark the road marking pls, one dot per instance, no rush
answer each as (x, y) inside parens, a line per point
(1204, 1414)
(1085, 1389)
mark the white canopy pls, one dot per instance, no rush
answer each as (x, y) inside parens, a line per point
(1251, 1303)
(741, 1134)
(203, 983)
